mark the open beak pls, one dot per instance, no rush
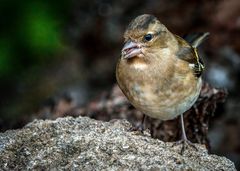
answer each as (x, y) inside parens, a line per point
(131, 49)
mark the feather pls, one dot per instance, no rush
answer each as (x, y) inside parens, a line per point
(188, 51)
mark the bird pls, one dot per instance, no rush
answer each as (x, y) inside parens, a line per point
(160, 72)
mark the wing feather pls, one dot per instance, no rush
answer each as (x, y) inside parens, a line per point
(188, 52)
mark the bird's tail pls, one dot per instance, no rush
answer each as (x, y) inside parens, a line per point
(195, 39)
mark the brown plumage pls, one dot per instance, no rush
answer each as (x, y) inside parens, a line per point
(159, 72)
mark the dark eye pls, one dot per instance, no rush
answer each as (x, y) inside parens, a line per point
(148, 37)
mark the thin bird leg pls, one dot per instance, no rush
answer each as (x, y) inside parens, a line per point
(184, 141)
(184, 137)
(140, 127)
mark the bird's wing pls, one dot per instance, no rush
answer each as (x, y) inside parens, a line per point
(188, 51)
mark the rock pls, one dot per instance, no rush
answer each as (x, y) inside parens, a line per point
(86, 144)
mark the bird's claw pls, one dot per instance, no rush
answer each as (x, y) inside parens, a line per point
(139, 128)
(185, 143)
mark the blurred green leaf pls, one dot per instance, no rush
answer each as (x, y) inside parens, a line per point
(40, 30)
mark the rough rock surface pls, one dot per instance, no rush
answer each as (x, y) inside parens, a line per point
(86, 144)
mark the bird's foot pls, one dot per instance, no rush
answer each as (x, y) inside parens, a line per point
(139, 128)
(185, 143)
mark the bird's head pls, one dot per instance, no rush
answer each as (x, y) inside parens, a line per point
(144, 35)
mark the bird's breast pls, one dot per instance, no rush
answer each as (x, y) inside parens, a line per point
(157, 96)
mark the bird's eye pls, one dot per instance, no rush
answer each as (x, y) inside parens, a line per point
(148, 37)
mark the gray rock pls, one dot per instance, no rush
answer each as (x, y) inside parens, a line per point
(86, 144)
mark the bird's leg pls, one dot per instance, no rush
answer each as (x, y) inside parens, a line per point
(184, 141)
(140, 127)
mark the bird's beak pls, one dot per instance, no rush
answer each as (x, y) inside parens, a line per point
(131, 49)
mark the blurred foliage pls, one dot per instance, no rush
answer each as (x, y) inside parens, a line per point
(30, 34)
(39, 30)
(30, 38)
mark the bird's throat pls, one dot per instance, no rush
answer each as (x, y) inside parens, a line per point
(137, 62)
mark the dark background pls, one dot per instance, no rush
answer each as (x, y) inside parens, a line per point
(55, 49)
